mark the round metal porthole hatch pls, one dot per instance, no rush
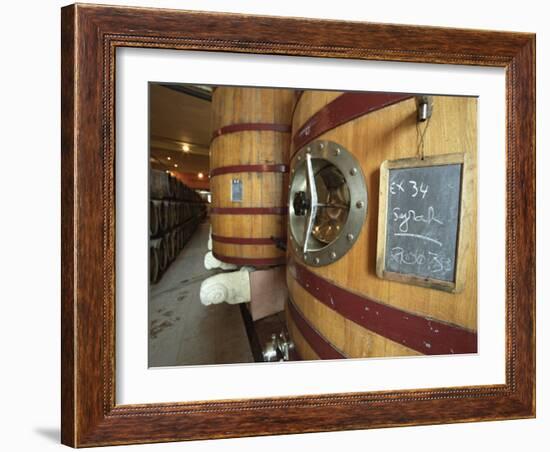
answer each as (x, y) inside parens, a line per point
(328, 202)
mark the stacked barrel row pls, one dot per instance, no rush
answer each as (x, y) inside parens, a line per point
(175, 211)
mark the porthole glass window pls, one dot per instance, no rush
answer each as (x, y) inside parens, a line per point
(333, 204)
(328, 202)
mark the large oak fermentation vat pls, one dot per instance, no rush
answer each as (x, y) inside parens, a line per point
(338, 305)
(249, 169)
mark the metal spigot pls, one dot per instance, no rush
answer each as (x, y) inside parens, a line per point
(279, 348)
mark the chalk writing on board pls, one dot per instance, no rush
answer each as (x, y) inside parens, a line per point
(422, 221)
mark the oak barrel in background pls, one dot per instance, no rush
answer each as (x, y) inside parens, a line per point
(344, 309)
(248, 178)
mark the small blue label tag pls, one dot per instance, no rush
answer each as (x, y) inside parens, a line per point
(236, 190)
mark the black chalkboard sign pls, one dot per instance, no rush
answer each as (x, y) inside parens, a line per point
(419, 224)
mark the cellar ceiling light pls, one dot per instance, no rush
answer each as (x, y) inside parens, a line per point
(200, 175)
(185, 148)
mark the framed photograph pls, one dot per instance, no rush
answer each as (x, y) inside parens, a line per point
(282, 225)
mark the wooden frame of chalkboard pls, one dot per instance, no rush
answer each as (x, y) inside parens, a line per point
(427, 261)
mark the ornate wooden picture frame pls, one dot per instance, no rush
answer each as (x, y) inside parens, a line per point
(90, 37)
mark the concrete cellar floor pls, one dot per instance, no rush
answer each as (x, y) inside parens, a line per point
(181, 330)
